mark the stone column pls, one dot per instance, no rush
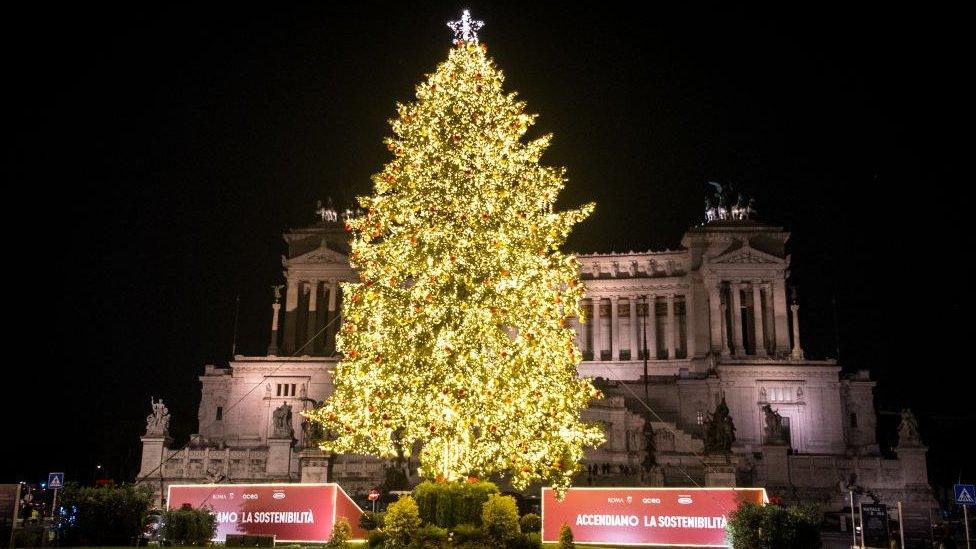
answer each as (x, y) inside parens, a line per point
(768, 325)
(716, 317)
(311, 326)
(577, 327)
(737, 347)
(279, 457)
(153, 454)
(273, 345)
(291, 316)
(672, 331)
(330, 315)
(757, 313)
(797, 353)
(651, 327)
(725, 336)
(636, 344)
(614, 328)
(720, 470)
(776, 458)
(597, 346)
(691, 330)
(780, 324)
(315, 466)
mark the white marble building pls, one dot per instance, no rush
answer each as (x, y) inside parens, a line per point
(718, 323)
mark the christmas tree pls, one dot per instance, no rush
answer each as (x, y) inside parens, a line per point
(456, 342)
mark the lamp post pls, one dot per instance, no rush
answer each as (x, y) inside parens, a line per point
(644, 345)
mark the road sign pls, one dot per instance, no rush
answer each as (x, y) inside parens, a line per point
(374, 494)
(874, 525)
(55, 480)
(965, 494)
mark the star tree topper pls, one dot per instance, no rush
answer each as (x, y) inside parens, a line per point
(465, 29)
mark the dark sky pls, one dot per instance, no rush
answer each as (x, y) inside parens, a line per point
(163, 149)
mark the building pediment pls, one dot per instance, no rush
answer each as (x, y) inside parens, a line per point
(747, 256)
(323, 255)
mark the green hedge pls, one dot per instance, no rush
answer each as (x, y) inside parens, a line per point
(109, 515)
(188, 526)
(753, 526)
(448, 504)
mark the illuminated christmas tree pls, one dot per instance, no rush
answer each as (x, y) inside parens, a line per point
(456, 342)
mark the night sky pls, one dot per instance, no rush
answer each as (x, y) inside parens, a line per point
(161, 151)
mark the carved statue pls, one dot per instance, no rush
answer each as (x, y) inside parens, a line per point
(775, 431)
(282, 422)
(719, 430)
(157, 423)
(277, 292)
(327, 213)
(908, 430)
(650, 447)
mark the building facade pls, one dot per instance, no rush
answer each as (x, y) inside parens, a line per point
(718, 327)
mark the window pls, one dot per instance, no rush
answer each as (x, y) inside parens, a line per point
(220, 413)
(286, 389)
(853, 420)
(279, 390)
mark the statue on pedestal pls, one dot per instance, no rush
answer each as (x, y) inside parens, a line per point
(775, 431)
(719, 430)
(157, 423)
(908, 430)
(282, 422)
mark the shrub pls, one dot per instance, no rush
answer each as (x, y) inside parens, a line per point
(466, 532)
(189, 526)
(371, 521)
(526, 541)
(448, 504)
(341, 532)
(753, 526)
(531, 522)
(429, 537)
(401, 522)
(109, 515)
(500, 520)
(376, 538)
(566, 538)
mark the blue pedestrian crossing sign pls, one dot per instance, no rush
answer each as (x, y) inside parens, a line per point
(965, 494)
(55, 480)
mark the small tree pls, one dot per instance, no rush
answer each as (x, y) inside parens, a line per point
(401, 522)
(754, 526)
(530, 522)
(341, 533)
(500, 520)
(566, 538)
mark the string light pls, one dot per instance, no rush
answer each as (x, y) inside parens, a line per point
(456, 341)
(465, 29)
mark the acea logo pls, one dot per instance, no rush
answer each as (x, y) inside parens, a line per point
(249, 496)
(685, 500)
(279, 494)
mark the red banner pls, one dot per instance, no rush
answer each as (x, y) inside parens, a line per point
(645, 516)
(290, 512)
